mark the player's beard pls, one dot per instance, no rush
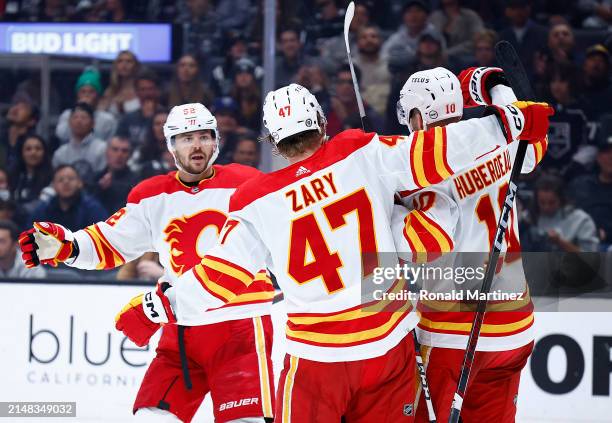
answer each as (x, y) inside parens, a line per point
(194, 169)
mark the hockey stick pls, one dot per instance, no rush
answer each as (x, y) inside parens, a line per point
(366, 125)
(516, 75)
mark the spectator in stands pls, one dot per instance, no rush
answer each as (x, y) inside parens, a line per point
(120, 96)
(223, 75)
(597, 89)
(11, 265)
(233, 15)
(148, 159)
(5, 191)
(568, 152)
(344, 110)
(21, 120)
(458, 25)
(187, 85)
(402, 45)
(558, 225)
(291, 57)
(484, 48)
(113, 11)
(247, 94)
(55, 11)
(145, 267)
(8, 210)
(33, 173)
(247, 152)
(314, 78)
(200, 28)
(594, 192)
(226, 111)
(88, 90)
(84, 150)
(374, 68)
(430, 54)
(523, 33)
(333, 50)
(71, 207)
(327, 22)
(134, 125)
(561, 43)
(116, 181)
(600, 12)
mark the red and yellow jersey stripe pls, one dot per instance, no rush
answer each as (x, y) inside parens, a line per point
(108, 256)
(539, 148)
(503, 318)
(426, 238)
(354, 326)
(428, 157)
(232, 284)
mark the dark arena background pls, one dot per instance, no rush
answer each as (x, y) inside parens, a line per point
(108, 71)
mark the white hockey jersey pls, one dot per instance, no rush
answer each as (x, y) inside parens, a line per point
(323, 225)
(461, 215)
(181, 223)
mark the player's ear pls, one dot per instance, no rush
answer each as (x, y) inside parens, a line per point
(416, 120)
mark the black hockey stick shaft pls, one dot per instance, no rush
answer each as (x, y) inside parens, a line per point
(516, 75)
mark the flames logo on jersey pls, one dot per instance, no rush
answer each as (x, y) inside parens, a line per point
(183, 233)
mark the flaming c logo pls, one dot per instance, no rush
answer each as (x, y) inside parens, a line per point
(182, 235)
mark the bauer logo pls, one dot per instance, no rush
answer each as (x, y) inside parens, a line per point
(240, 403)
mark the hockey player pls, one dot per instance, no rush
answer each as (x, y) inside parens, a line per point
(321, 224)
(180, 215)
(461, 215)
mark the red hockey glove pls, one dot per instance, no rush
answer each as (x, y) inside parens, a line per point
(476, 84)
(525, 120)
(46, 243)
(144, 315)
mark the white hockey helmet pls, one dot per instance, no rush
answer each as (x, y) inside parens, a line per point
(435, 93)
(291, 110)
(188, 118)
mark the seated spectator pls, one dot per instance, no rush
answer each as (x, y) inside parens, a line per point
(402, 45)
(21, 120)
(247, 152)
(344, 112)
(5, 191)
(430, 54)
(568, 152)
(484, 48)
(291, 57)
(88, 90)
(223, 75)
(226, 111)
(11, 265)
(146, 267)
(148, 159)
(55, 11)
(200, 28)
(458, 25)
(327, 22)
(8, 209)
(232, 15)
(333, 50)
(32, 174)
(314, 78)
(523, 33)
(558, 225)
(561, 43)
(113, 11)
(374, 68)
(187, 85)
(594, 192)
(71, 207)
(134, 125)
(597, 89)
(120, 96)
(116, 181)
(84, 150)
(599, 11)
(247, 94)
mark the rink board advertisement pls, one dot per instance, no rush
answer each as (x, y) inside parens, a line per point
(58, 344)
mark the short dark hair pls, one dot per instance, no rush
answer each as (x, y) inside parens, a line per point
(11, 227)
(84, 107)
(66, 166)
(347, 68)
(147, 74)
(289, 28)
(251, 139)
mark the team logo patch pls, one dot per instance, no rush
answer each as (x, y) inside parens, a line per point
(408, 409)
(433, 114)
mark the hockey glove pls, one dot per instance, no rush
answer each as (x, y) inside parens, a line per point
(47, 243)
(144, 315)
(476, 85)
(525, 120)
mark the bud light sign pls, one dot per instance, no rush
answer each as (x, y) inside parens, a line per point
(150, 42)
